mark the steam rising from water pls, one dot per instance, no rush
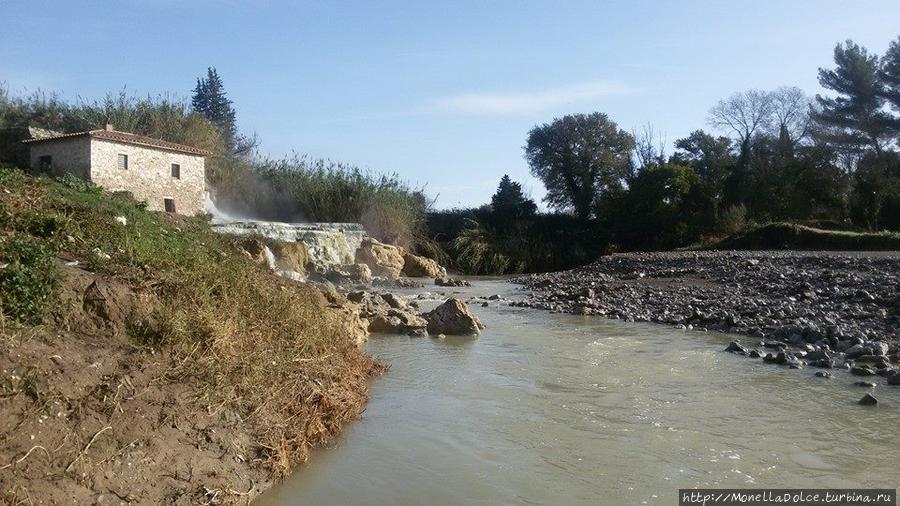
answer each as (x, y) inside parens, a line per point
(219, 216)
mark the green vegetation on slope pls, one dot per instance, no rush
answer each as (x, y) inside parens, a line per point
(259, 346)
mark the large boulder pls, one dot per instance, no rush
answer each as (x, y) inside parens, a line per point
(389, 314)
(415, 266)
(397, 321)
(349, 274)
(292, 256)
(383, 259)
(453, 318)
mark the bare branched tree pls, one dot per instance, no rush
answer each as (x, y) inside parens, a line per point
(744, 113)
(790, 113)
(650, 147)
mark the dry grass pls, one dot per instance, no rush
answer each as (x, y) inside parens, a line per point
(276, 354)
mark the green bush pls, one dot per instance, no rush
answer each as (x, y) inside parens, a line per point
(477, 251)
(78, 184)
(27, 278)
(732, 220)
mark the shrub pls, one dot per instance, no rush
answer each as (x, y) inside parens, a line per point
(27, 278)
(78, 184)
(477, 251)
(732, 220)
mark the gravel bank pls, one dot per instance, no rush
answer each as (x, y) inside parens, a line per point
(814, 309)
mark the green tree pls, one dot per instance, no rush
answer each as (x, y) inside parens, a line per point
(211, 101)
(509, 204)
(665, 206)
(579, 157)
(890, 74)
(855, 119)
(875, 201)
(710, 156)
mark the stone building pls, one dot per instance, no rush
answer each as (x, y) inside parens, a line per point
(167, 176)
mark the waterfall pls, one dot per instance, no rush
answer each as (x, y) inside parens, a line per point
(270, 258)
(219, 216)
(328, 244)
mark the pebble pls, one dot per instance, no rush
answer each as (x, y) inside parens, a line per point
(836, 308)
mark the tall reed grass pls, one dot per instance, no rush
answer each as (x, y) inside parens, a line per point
(301, 188)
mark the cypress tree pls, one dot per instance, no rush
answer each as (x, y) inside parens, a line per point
(211, 102)
(509, 203)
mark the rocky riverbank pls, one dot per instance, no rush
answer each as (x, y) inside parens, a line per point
(808, 309)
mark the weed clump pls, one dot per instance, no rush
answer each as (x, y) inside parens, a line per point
(27, 278)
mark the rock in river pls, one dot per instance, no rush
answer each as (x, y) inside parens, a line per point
(415, 266)
(894, 379)
(349, 274)
(868, 400)
(383, 259)
(447, 281)
(735, 347)
(453, 318)
(861, 370)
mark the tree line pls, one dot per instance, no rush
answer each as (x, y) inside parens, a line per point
(773, 155)
(778, 155)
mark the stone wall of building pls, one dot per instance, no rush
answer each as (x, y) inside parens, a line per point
(70, 155)
(149, 175)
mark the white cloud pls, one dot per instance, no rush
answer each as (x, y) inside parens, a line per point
(524, 102)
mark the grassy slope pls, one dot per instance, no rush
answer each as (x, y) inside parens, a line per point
(800, 237)
(276, 353)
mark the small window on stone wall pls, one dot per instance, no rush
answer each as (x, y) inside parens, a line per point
(123, 161)
(169, 205)
(176, 171)
(45, 163)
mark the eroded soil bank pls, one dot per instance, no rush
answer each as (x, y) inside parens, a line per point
(89, 415)
(821, 309)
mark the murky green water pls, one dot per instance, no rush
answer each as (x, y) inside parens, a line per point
(563, 409)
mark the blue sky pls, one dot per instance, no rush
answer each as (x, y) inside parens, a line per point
(442, 93)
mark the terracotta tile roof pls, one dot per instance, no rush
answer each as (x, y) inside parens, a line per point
(127, 138)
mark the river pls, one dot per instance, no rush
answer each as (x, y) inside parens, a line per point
(562, 409)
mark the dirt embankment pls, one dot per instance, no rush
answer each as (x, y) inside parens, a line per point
(818, 309)
(90, 415)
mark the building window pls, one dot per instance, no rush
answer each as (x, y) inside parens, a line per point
(169, 205)
(45, 163)
(123, 161)
(176, 171)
